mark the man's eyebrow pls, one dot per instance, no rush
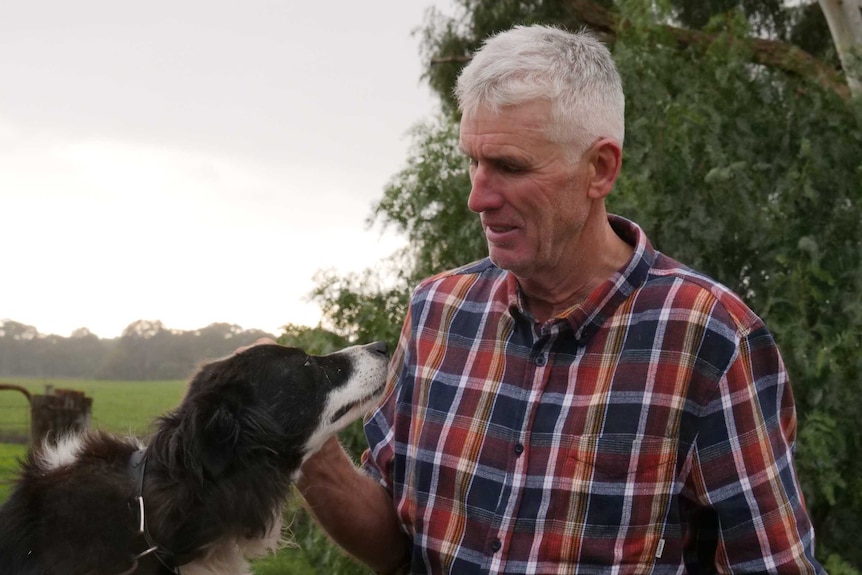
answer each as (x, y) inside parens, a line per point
(502, 158)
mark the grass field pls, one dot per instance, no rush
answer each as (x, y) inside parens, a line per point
(120, 407)
(9, 455)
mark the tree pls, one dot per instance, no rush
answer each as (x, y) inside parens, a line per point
(13, 330)
(761, 190)
(147, 350)
(13, 337)
(743, 158)
(313, 340)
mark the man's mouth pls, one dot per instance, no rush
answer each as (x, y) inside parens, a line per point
(498, 233)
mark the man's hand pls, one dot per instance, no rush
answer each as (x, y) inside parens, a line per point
(353, 509)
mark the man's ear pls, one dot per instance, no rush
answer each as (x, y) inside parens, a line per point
(606, 160)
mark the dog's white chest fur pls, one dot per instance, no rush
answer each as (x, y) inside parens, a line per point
(230, 557)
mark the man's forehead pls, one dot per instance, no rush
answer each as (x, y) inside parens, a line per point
(529, 117)
(502, 134)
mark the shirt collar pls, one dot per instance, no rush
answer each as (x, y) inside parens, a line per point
(585, 318)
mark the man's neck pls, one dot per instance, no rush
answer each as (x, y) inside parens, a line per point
(599, 253)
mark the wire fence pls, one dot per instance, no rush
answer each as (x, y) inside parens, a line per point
(14, 414)
(14, 433)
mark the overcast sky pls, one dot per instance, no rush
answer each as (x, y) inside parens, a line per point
(197, 161)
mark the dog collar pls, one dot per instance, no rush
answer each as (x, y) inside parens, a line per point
(137, 469)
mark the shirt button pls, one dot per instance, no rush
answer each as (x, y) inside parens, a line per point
(496, 545)
(519, 448)
(541, 359)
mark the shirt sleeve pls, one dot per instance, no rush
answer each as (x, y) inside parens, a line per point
(743, 465)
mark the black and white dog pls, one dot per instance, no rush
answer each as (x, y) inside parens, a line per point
(207, 490)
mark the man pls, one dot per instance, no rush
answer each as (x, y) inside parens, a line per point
(577, 402)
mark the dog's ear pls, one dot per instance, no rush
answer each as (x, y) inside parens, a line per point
(218, 439)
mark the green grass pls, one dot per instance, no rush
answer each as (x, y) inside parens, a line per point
(125, 407)
(9, 454)
(286, 561)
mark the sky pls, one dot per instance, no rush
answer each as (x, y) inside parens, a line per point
(197, 161)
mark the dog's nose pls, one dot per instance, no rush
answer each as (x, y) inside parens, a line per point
(379, 346)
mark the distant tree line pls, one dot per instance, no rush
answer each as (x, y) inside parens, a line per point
(146, 350)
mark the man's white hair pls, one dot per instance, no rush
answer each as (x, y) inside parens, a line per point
(574, 71)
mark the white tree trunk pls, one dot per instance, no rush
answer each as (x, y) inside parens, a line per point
(845, 23)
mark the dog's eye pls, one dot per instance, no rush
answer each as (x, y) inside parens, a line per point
(307, 362)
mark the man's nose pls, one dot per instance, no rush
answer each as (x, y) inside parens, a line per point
(483, 192)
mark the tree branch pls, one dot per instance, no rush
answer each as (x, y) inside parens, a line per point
(450, 60)
(771, 53)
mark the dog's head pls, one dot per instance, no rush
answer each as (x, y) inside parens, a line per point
(276, 401)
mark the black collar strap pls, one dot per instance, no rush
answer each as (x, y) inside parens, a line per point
(137, 469)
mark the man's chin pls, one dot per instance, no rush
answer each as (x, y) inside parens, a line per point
(508, 262)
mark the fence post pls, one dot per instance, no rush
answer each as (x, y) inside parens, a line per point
(57, 414)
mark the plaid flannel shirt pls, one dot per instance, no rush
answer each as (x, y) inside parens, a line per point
(649, 429)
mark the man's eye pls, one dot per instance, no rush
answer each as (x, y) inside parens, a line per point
(511, 168)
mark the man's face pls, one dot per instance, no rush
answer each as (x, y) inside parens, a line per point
(531, 199)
